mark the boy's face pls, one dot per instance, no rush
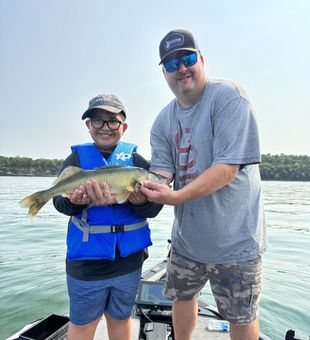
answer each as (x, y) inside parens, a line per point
(104, 137)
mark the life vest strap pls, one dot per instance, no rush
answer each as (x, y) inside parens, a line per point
(101, 229)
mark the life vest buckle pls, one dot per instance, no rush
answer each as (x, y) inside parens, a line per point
(117, 228)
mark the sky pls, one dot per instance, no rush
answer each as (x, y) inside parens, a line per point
(56, 55)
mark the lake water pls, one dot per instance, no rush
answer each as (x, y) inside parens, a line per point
(32, 255)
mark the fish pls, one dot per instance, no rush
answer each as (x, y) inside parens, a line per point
(120, 179)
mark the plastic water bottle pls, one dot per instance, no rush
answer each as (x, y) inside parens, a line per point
(218, 325)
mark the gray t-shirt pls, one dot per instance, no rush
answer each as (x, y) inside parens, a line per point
(220, 128)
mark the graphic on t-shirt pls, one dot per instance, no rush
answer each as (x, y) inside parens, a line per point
(187, 156)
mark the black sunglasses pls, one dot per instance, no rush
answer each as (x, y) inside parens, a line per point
(98, 123)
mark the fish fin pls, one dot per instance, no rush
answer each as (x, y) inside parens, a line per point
(67, 172)
(130, 188)
(34, 202)
(122, 196)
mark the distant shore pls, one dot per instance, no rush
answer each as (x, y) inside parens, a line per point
(273, 167)
(26, 175)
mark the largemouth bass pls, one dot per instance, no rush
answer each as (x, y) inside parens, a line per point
(120, 179)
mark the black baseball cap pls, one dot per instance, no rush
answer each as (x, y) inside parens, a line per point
(108, 102)
(176, 40)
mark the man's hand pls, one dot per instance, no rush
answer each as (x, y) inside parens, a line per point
(159, 193)
(137, 197)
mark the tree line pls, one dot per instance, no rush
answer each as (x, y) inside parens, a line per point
(285, 168)
(273, 168)
(24, 166)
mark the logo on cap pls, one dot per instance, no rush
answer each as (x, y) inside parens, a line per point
(174, 40)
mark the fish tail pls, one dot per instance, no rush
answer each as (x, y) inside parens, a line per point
(35, 202)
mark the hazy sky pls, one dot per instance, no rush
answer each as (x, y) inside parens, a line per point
(56, 55)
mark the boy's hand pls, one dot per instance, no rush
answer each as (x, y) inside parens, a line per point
(92, 192)
(79, 196)
(99, 194)
(137, 197)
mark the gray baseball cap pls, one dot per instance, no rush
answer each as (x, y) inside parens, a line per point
(108, 102)
(176, 40)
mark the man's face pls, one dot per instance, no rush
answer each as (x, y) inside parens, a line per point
(188, 81)
(106, 137)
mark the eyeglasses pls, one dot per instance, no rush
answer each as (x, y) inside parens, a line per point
(98, 123)
(187, 59)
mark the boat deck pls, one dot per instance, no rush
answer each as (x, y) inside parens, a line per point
(158, 331)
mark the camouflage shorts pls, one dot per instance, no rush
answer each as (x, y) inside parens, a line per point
(236, 287)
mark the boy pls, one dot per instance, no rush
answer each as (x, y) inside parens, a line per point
(103, 269)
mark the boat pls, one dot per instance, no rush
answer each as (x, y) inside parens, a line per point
(151, 317)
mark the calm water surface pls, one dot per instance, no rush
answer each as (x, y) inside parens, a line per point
(32, 254)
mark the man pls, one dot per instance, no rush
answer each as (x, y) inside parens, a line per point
(207, 140)
(103, 264)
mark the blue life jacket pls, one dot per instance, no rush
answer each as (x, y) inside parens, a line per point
(97, 230)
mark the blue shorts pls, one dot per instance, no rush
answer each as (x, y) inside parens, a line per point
(90, 299)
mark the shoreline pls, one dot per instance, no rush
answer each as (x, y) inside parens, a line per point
(27, 175)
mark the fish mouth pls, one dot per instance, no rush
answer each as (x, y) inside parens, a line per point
(162, 178)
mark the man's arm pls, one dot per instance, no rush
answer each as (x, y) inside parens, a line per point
(211, 180)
